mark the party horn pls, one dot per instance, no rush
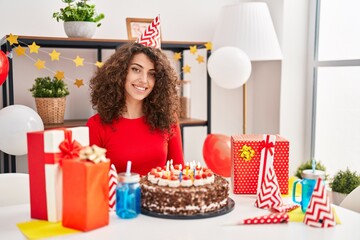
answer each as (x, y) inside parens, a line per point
(266, 219)
(112, 187)
(285, 208)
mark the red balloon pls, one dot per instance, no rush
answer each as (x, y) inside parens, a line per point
(4, 67)
(217, 154)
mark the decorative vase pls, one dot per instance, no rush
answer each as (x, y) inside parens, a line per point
(51, 110)
(80, 29)
(337, 198)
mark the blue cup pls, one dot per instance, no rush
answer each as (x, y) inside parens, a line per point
(128, 196)
(308, 181)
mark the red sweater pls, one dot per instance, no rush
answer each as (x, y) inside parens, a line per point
(132, 139)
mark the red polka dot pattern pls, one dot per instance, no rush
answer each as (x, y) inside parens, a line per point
(244, 174)
(267, 219)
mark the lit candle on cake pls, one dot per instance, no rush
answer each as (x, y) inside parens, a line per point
(180, 172)
(191, 170)
(167, 168)
(171, 166)
(198, 168)
(186, 168)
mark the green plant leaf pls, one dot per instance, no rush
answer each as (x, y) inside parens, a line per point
(78, 11)
(345, 181)
(308, 165)
(45, 87)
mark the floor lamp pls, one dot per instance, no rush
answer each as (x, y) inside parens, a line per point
(248, 26)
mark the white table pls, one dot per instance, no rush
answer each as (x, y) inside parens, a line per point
(147, 228)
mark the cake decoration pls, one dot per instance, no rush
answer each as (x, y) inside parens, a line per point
(186, 181)
(194, 174)
(185, 191)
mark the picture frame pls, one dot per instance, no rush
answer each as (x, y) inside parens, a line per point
(136, 26)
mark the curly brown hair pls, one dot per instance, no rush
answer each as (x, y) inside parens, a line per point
(108, 88)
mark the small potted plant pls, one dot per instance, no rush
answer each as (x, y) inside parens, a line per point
(50, 98)
(342, 184)
(80, 18)
(308, 165)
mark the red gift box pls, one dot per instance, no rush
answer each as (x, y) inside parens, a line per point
(45, 174)
(245, 157)
(85, 194)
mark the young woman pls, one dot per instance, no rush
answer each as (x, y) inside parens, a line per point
(135, 96)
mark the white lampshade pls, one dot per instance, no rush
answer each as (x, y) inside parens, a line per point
(249, 27)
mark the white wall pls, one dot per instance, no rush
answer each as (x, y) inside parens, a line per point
(185, 20)
(295, 109)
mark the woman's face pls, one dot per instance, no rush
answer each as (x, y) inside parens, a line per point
(140, 79)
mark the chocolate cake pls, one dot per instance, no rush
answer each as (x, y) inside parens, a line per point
(183, 192)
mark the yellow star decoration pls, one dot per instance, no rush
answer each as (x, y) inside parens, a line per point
(200, 59)
(12, 39)
(193, 49)
(186, 69)
(20, 50)
(59, 75)
(79, 82)
(177, 56)
(34, 48)
(40, 64)
(99, 64)
(208, 46)
(54, 55)
(78, 61)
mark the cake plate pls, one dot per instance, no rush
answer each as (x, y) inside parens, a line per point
(224, 210)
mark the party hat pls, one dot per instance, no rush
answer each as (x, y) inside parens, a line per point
(267, 148)
(269, 194)
(151, 35)
(266, 219)
(112, 187)
(319, 212)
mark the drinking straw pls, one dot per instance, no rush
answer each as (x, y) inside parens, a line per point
(313, 164)
(128, 169)
(126, 191)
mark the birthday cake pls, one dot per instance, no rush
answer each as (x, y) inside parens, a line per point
(189, 191)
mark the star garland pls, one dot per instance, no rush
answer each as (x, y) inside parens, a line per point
(54, 56)
(193, 50)
(79, 61)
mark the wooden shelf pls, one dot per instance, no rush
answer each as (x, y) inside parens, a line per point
(188, 122)
(92, 43)
(67, 123)
(98, 45)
